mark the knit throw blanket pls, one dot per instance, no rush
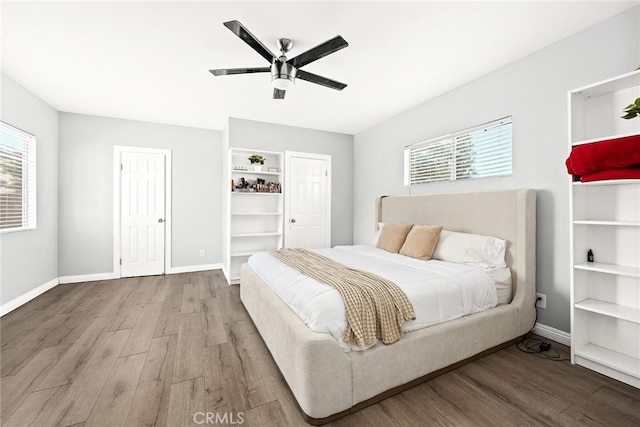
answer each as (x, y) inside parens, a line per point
(375, 307)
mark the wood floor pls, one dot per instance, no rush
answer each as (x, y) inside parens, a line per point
(181, 350)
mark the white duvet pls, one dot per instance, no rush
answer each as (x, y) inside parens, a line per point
(439, 290)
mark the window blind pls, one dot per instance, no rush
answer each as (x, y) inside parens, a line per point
(481, 151)
(17, 179)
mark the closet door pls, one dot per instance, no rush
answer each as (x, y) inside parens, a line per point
(142, 214)
(308, 201)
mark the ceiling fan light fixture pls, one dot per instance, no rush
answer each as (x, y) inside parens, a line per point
(283, 83)
(283, 75)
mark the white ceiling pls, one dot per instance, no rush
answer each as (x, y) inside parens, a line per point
(149, 60)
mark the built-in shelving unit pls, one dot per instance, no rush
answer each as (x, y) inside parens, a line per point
(605, 218)
(255, 212)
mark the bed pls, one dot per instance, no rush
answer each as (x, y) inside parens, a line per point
(328, 382)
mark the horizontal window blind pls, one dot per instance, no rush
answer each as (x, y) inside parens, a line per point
(17, 179)
(482, 151)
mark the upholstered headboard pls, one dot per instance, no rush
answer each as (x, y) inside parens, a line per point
(507, 214)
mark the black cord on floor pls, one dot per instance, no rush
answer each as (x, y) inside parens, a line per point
(535, 345)
(541, 348)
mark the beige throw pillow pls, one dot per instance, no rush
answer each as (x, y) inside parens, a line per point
(392, 236)
(421, 241)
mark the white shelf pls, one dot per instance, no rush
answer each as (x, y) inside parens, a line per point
(255, 193)
(609, 358)
(604, 335)
(256, 234)
(252, 151)
(244, 253)
(606, 138)
(614, 84)
(607, 182)
(241, 172)
(620, 270)
(256, 214)
(630, 314)
(609, 223)
(253, 219)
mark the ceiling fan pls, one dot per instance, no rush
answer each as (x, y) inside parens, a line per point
(284, 71)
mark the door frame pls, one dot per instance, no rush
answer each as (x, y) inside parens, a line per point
(287, 195)
(117, 204)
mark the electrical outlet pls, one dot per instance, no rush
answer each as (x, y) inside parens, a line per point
(202, 252)
(542, 301)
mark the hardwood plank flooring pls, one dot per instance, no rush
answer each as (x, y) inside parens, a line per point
(112, 406)
(185, 401)
(161, 350)
(150, 403)
(190, 347)
(25, 381)
(74, 360)
(77, 404)
(142, 333)
(36, 408)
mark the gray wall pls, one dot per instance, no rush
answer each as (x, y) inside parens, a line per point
(273, 137)
(86, 190)
(29, 259)
(532, 90)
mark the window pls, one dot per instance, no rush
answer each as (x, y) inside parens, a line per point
(17, 179)
(478, 152)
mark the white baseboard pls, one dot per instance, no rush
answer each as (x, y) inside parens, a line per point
(25, 298)
(192, 268)
(110, 276)
(87, 278)
(226, 274)
(553, 334)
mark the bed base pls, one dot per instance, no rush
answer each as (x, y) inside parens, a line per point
(399, 389)
(328, 383)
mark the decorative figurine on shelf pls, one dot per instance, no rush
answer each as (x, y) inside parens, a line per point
(243, 184)
(589, 255)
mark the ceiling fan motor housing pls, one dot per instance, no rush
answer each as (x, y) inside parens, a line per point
(282, 70)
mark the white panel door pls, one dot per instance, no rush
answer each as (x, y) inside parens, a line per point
(308, 219)
(142, 214)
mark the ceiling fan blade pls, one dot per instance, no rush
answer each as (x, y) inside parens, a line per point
(239, 30)
(278, 93)
(229, 71)
(319, 51)
(314, 78)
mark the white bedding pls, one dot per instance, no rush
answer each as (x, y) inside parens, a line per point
(439, 290)
(501, 277)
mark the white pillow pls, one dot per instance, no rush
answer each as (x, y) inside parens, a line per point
(468, 248)
(376, 236)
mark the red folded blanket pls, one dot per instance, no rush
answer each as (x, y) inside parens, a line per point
(615, 153)
(626, 173)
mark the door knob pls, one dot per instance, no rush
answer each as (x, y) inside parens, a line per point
(292, 220)
(160, 220)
